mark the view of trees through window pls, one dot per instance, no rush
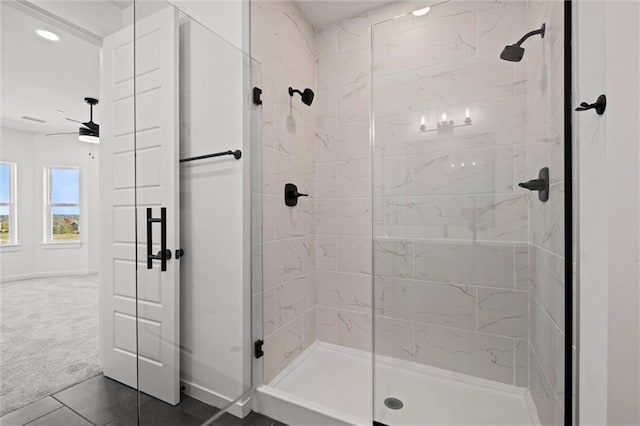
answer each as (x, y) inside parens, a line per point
(6, 203)
(64, 203)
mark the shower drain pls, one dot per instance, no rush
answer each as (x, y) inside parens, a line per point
(393, 403)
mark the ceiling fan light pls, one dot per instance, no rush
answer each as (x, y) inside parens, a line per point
(86, 135)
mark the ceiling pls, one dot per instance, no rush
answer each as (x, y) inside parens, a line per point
(325, 12)
(39, 77)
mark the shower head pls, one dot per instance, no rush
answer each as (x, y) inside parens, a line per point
(512, 53)
(515, 52)
(307, 95)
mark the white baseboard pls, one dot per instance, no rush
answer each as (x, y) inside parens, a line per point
(23, 277)
(240, 409)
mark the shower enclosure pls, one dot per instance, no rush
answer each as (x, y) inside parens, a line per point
(430, 277)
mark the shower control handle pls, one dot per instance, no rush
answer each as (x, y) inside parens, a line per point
(291, 194)
(541, 184)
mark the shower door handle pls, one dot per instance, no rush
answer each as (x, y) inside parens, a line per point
(164, 254)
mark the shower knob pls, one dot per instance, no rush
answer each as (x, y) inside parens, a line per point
(291, 194)
(541, 184)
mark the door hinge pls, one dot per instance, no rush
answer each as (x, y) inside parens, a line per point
(257, 96)
(258, 352)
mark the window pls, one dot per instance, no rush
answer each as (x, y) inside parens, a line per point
(62, 213)
(8, 222)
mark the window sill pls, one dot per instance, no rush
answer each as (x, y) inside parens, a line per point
(61, 244)
(10, 247)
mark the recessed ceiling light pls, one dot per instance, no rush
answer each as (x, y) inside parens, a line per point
(48, 35)
(421, 12)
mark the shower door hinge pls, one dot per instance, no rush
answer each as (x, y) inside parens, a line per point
(258, 352)
(257, 94)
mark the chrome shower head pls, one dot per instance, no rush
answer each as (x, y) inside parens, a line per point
(515, 52)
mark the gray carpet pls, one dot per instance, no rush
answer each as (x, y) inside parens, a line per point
(48, 338)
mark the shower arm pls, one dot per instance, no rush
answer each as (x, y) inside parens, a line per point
(531, 34)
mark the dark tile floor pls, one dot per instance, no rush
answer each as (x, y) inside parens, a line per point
(100, 401)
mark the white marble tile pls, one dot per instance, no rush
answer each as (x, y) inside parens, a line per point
(481, 78)
(349, 141)
(344, 179)
(268, 122)
(327, 107)
(288, 259)
(344, 291)
(268, 217)
(503, 217)
(327, 324)
(348, 66)
(327, 40)
(354, 254)
(547, 220)
(443, 40)
(309, 328)
(393, 258)
(450, 217)
(293, 135)
(503, 312)
(548, 407)
(464, 172)
(353, 103)
(354, 330)
(269, 311)
(294, 298)
(394, 176)
(280, 168)
(392, 94)
(281, 348)
(439, 304)
(353, 32)
(501, 25)
(548, 344)
(547, 282)
(379, 295)
(483, 264)
(394, 338)
(480, 355)
(522, 272)
(522, 363)
(326, 253)
(297, 221)
(343, 216)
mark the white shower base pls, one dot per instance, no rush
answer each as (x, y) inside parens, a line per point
(330, 384)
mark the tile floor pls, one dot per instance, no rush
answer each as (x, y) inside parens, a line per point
(100, 401)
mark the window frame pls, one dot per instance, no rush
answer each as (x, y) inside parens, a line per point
(12, 204)
(49, 206)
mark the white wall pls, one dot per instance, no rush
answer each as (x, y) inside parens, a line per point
(31, 257)
(607, 55)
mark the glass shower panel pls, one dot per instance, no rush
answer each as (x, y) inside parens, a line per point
(468, 265)
(194, 117)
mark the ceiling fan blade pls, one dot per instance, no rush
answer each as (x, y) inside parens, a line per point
(75, 121)
(57, 134)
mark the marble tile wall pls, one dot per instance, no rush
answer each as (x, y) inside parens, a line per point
(545, 72)
(451, 226)
(451, 250)
(283, 42)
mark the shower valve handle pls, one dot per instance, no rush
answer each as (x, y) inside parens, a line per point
(291, 195)
(541, 184)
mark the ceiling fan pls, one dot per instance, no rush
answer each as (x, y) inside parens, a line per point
(91, 131)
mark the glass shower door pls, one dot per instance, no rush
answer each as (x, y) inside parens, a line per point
(469, 266)
(194, 152)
